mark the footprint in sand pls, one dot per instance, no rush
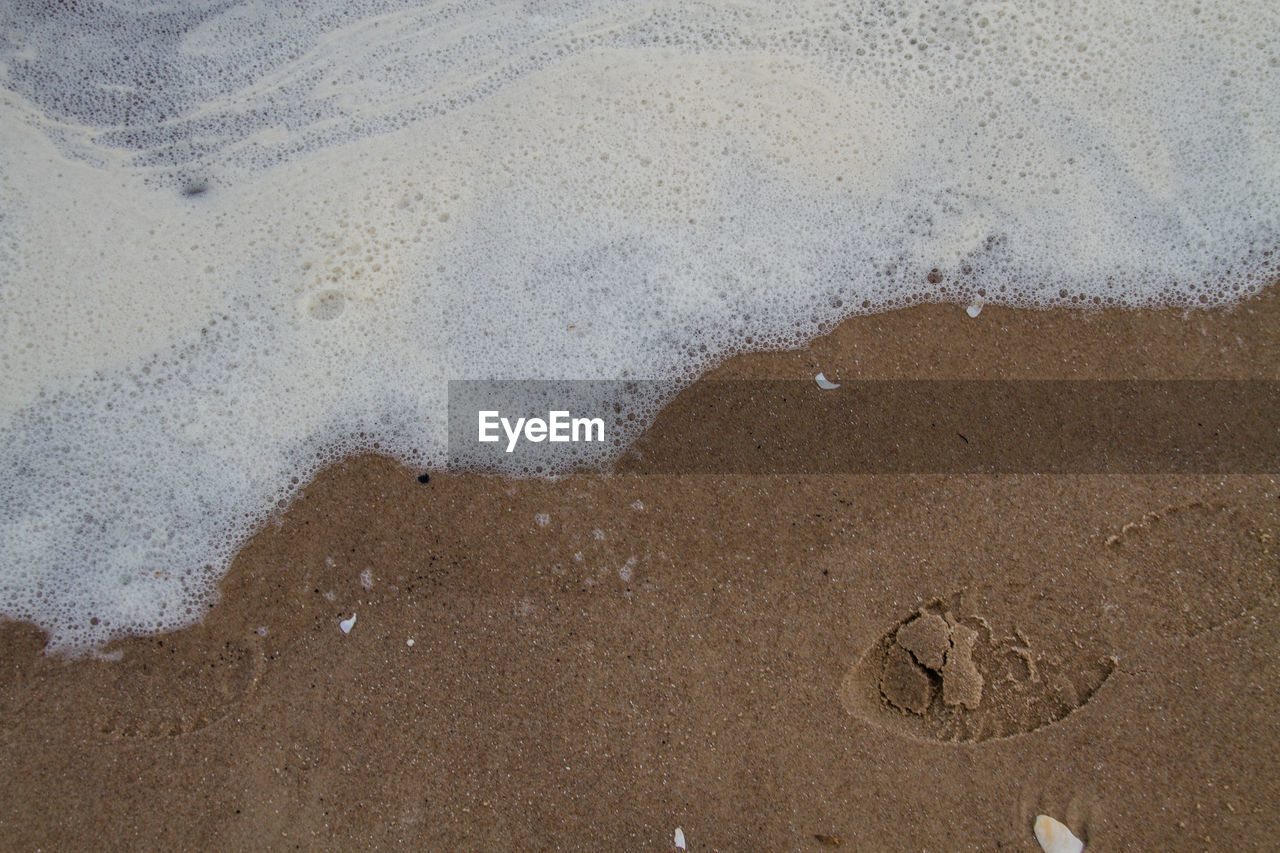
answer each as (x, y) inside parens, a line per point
(157, 689)
(944, 674)
(949, 674)
(1195, 566)
(151, 695)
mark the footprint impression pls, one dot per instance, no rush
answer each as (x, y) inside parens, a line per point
(947, 675)
(152, 694)
(1194, 567)
(154, 690)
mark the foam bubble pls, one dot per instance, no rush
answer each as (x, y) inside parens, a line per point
(239, 243)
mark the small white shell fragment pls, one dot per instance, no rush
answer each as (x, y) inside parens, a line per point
(347, 624)
(1054, 837)
(679, 838)
(824, 383)
(409, 642)
(974, 309)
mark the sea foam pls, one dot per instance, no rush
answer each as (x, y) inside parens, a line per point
(239, 242)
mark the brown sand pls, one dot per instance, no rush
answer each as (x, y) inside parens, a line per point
(772, 663)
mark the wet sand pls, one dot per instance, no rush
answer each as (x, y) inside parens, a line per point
(592, 662)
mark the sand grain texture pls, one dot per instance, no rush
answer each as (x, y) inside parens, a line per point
(598, 660)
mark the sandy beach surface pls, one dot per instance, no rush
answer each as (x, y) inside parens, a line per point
(770, 662)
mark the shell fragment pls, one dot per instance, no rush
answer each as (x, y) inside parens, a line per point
(824, 383)
(1054, 837)
(347, 624)
(679, 838)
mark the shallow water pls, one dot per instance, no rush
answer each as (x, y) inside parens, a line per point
(238, 244)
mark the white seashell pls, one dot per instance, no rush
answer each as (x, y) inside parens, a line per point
(679, 838)
(824, 383)
(974, 309)
(347, 624)
(1054, 837)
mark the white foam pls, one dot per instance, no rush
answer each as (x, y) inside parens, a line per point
(237, 245)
